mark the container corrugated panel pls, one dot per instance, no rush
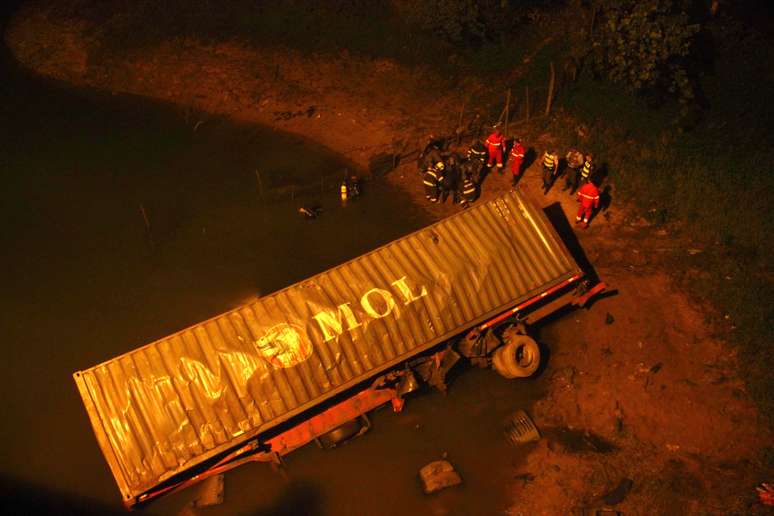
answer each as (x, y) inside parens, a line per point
(166, 407)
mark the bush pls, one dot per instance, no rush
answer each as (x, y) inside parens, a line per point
(644, 44)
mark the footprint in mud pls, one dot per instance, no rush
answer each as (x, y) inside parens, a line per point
(577, 440)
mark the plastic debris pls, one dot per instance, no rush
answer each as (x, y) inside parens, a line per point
(438, 475)
(520, 429)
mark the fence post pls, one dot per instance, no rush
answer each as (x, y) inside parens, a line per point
(458, 130)
(526, 94)
(551, 83)
(148, 232)
(507, 111)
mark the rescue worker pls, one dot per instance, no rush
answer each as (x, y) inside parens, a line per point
(476, 160)
(344, 192)
(574, 162)
(354, 186)
(432, 180)
(588, 197)
(588, 168)
(431, 154)
(516, 160)
(550, 166)
(468, 191)
(495, 143)
(451, 176)
(349, 189)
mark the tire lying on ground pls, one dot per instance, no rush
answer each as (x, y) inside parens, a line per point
(519, 357)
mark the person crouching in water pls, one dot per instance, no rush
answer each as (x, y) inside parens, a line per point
(349, 189)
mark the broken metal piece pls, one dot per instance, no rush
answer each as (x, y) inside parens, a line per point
(438, 475)
(210, 492)
(520, 429)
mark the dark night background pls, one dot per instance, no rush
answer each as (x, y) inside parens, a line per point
(686, 143)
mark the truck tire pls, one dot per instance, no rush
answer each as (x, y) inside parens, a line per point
(341, 434)
(518, 358)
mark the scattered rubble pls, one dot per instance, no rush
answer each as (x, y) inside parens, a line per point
(438, 475)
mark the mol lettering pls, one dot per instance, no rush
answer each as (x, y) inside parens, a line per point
(376, 303)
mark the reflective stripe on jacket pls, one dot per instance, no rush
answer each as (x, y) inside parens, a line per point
(587, 168)
(494, 140)
(588, 196)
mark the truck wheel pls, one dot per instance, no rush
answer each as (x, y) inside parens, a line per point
(340, 434)
(518, 358)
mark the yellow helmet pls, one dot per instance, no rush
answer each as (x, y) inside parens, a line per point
(440, 165)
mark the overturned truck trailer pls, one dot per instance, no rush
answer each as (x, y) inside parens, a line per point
(302, 363)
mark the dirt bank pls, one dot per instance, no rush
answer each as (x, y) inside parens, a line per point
(643, 385)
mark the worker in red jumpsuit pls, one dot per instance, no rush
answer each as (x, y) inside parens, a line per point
(588, 197)
(516, 160)
(494, 144)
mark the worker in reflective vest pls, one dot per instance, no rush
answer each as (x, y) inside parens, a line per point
(468, 194)
(588, 168)
(432, 180)
(550, 166)
(572, 175)
(494, 144)
(588, 197)
(516, 160)
(476, 160)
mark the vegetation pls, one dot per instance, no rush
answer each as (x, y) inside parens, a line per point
(643, 44)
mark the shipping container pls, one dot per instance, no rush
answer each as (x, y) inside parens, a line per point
(168, 407)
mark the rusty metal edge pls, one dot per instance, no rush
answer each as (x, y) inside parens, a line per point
(104, 443)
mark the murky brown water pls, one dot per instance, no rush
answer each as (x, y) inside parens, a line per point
(83, 281)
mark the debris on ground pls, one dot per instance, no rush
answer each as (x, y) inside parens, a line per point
(310, 212)
(520, 429)
(609, 319)
(438, 475)
(596, 512)
(210, 492)
(618, 494)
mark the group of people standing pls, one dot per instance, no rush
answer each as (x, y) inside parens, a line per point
(445, 174)
(578, 171)
(449, 173)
